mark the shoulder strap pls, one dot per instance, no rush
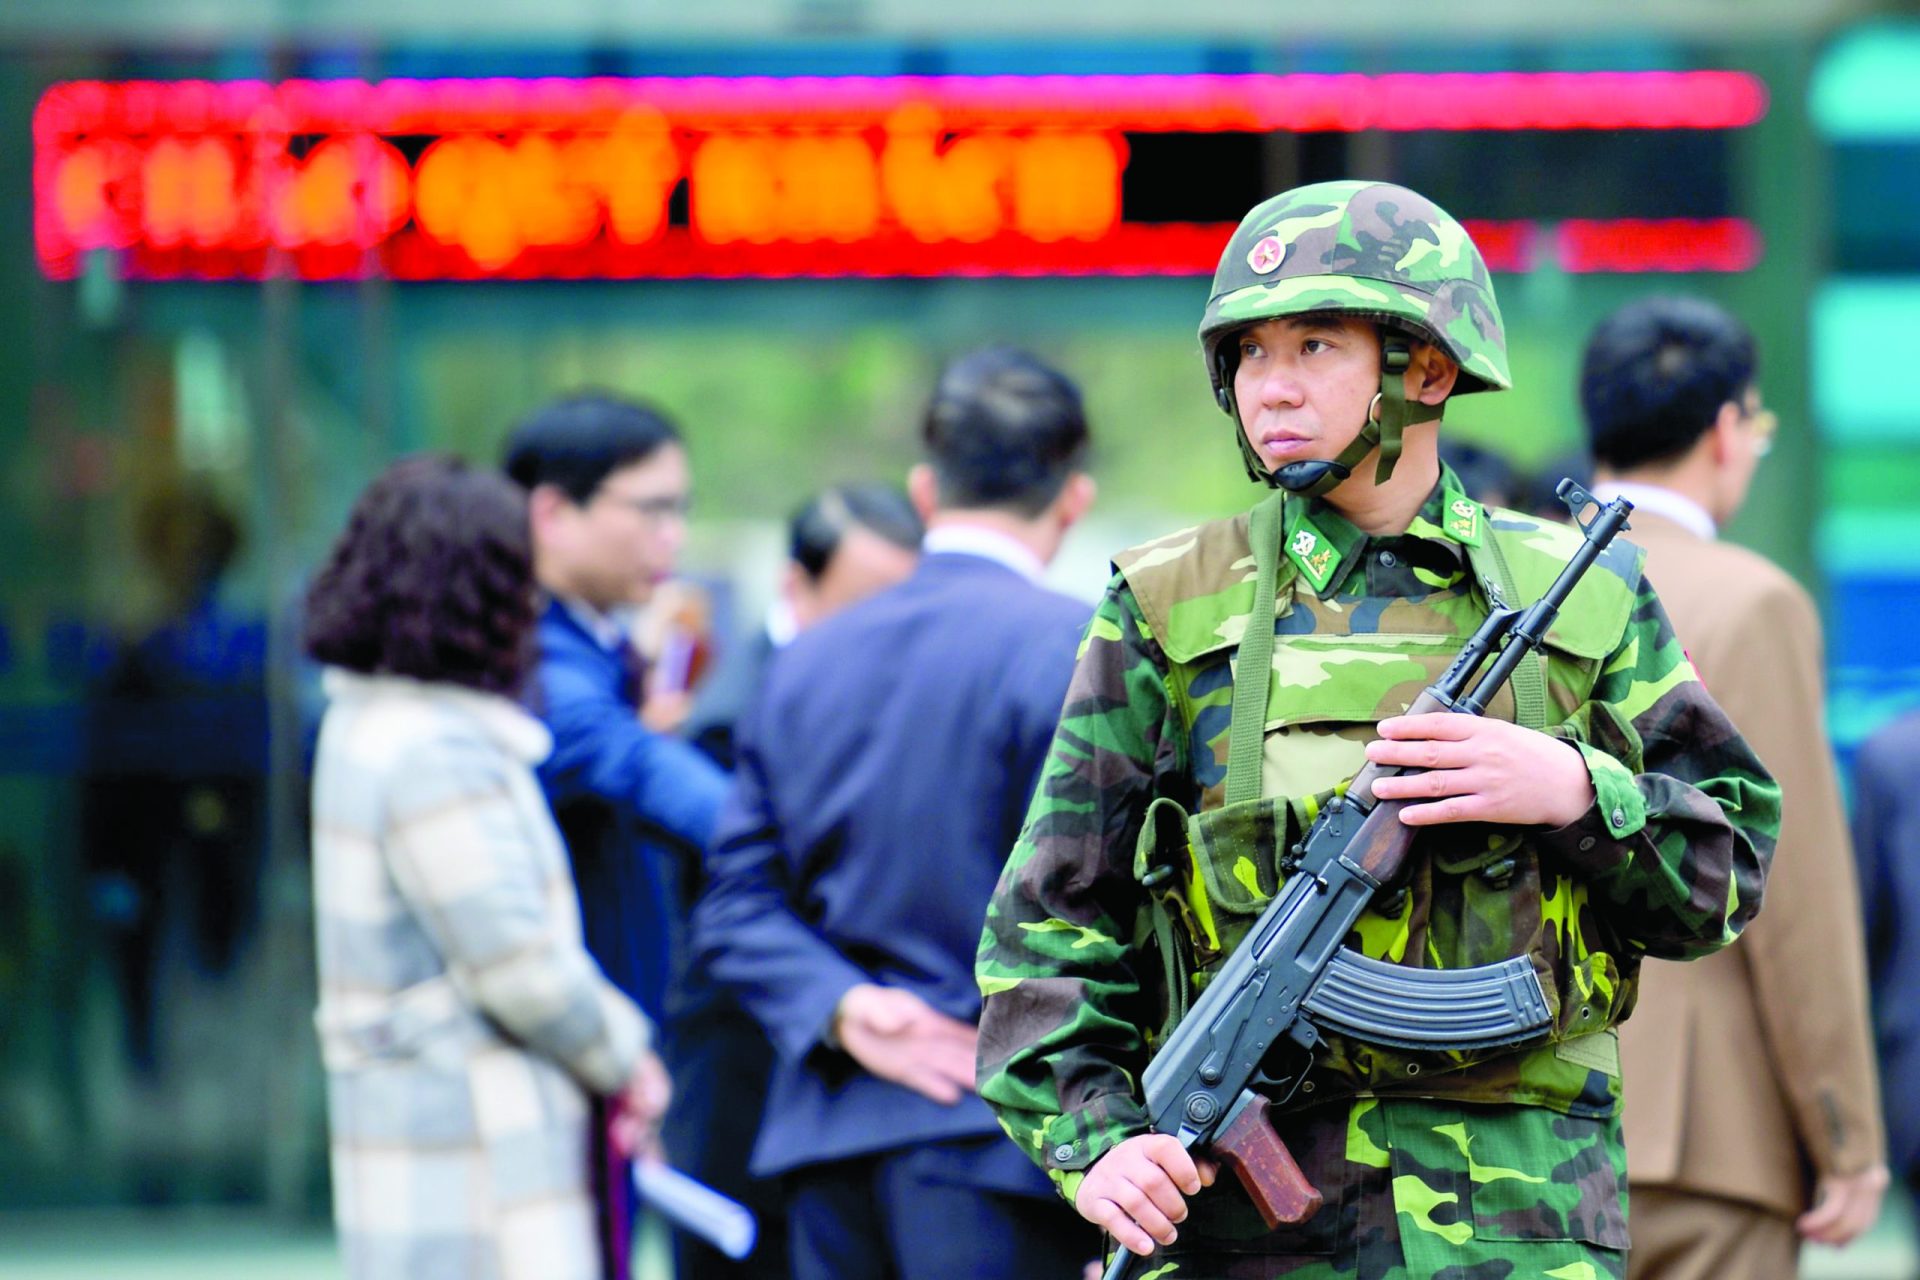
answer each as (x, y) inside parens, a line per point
(1255, 668)
(1529, 680)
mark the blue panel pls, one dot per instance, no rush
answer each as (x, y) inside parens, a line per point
(1877, 189)
(1080, 58)
(1876, 621)
(460, 63)
(812, 58)
(834, 57)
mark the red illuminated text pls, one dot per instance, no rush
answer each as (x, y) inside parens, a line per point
(879, 177)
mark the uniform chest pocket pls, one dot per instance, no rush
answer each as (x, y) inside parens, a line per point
(1359, 679)
(1505, 1174)
(1328, 694)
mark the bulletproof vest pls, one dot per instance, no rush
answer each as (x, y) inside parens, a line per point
(1479, 893)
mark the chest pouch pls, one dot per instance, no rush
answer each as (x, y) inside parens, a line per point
(1210, 875)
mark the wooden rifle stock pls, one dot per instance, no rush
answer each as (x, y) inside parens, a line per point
(1253, 1151)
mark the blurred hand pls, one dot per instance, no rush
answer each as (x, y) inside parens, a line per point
(639, 1108)
(666, 711)
(1137, 1191)
(1844, 1205)
(900, 1037)
(1480, 770)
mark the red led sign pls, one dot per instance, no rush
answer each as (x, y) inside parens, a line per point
(901, 176)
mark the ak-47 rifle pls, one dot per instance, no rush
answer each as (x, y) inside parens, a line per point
(1248, 1041)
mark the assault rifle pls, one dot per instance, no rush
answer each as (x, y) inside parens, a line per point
(1249, 1039)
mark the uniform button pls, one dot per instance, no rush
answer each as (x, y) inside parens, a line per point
(1586, 843)
(1499, 874)
(1619, 817)
(1388, 560)
(1063, 1153)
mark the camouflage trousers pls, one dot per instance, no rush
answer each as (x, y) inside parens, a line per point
(1423, 1189)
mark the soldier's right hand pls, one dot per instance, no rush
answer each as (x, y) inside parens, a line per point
(1137, 1191)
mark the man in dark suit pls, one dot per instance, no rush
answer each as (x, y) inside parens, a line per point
(844, 544)
(883, 776)
(1750, 1094)
(608, 485)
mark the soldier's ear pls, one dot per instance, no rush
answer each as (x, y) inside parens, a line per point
(1432, 374)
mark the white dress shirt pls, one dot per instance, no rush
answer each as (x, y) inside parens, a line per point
(1677, 507)
(988, 544)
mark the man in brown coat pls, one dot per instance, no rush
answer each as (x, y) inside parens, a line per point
(1752, 1111)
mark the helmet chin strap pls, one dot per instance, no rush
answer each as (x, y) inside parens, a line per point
(1387, 420)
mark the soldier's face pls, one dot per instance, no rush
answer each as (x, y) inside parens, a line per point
(1304, 385)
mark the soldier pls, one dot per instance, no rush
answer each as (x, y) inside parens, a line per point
(1602, 810)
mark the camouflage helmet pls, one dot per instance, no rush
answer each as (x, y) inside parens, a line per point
(1370, 250)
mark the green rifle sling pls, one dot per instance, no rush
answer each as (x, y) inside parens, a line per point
(1529, 680)
(1254, 671)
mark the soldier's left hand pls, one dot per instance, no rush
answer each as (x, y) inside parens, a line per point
(1480, 770)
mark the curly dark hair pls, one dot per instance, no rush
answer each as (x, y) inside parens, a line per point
(433, 579)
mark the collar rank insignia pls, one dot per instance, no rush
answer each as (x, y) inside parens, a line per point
(1463, 521)
(1313, 557)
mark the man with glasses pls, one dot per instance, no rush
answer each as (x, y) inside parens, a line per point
(607, 486)
(1752, 1116)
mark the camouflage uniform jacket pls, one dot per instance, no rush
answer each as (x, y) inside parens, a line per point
(1668, 862)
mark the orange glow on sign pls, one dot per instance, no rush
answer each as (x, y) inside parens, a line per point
(465, 179)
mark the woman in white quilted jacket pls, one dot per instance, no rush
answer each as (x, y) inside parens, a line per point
(465, 1028)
